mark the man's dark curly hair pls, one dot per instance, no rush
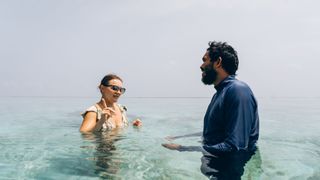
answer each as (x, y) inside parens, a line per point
(228, 55)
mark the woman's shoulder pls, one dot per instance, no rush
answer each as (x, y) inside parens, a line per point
(122, 108)
(92, 108)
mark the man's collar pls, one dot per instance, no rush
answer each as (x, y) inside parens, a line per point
(224, 82)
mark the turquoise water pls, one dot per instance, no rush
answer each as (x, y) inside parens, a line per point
(39, 139)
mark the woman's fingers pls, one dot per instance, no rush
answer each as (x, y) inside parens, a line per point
(104, 103)
(105, 107)
(110, 109)
(107, 111)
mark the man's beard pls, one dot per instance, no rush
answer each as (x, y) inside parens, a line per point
(210, 76)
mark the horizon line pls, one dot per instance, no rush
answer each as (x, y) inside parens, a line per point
(148, 97)
(96, 97)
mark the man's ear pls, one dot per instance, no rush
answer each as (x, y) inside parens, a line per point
(218, 63)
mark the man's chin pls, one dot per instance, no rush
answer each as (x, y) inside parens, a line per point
(207, 81)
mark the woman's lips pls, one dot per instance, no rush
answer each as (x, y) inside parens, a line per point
(116, 96)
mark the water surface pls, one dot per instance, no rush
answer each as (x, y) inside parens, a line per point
(39, 139)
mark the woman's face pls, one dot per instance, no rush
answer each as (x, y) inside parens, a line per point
(112, 92)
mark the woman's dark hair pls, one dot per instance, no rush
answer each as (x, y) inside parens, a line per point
(108, 77)
(228, 55)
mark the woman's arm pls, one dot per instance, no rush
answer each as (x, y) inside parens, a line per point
(89, 122)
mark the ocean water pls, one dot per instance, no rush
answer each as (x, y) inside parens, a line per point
(39, 139)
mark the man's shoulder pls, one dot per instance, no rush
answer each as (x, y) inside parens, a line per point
(238, 89)
(237, 85)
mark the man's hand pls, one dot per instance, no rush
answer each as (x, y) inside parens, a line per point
(172, 146)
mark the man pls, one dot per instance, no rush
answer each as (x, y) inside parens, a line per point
(231, 123)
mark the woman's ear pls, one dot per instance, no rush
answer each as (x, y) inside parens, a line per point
(100, 88)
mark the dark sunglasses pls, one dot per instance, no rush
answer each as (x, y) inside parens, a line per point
(116, 88)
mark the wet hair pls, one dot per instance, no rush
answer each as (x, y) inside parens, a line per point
(108, 77)
(228, 55)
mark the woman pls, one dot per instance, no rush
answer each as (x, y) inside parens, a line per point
(107, 114)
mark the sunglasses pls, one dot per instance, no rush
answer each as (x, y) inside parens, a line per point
(116, 88)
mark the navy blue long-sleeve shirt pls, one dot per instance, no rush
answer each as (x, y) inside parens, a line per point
(231, 122)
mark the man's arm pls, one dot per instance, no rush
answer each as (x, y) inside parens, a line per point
(170, 138)
(218, 148)
(239, 113)
(187, 148)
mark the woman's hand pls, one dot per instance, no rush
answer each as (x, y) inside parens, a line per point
(137, 122)
(106, 111)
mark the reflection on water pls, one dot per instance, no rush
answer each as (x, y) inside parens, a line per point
(253, 168)
(107, 162)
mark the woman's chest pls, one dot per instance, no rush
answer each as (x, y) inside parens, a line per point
(116, 118)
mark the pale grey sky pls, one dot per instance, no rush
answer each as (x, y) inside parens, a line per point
(65, 47)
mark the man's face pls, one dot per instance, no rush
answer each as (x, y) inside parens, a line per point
(209, 74)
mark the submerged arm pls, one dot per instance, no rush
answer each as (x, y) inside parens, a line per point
(184, 136)
(215, 150)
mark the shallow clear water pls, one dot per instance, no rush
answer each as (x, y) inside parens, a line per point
(39, 139)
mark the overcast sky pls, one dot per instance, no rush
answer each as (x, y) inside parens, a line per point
(65, 47)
